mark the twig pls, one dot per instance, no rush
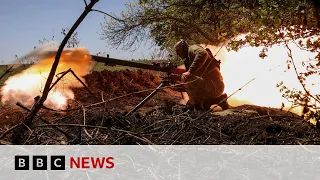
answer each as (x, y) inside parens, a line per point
(45, 121)
(84, 121)
(84, 85)
(219, 132)
(208, 111)
(103, 117)
(224, 43)
(59, 78)
(73, 73)
(206, 139)
(253, 139)
(142, 139)
(108, 15)
(156, 123)
(297, 74)
(102, 97)
(264, 116)
(121, 130)
(31, 132)
(193, 139)
(179, 132)
(9, 130)
(6, 72)
(85, 2)
(268, 112)
(120, 137)
(72, 125)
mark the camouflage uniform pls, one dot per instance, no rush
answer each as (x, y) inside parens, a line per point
(199, 63)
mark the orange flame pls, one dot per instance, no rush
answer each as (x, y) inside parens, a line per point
(240, 67)
(29, 83)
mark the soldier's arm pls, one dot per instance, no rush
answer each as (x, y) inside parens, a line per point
(199, 60)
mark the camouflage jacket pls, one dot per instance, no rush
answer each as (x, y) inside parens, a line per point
(199, 63)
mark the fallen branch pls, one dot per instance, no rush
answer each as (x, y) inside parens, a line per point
(31, 132)
(74, 74)
(84, 85)
(84, 121)
(42, 119)
(9, 130)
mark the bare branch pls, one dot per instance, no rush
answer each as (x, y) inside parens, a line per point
(85, 2)
(38, 104)
(46, 90)
(107, 15)
(297, 73)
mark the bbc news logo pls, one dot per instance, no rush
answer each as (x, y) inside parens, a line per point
(40, 162)
(59, 162)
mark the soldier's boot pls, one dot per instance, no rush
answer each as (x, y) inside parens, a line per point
(190, 106)
(224, 105)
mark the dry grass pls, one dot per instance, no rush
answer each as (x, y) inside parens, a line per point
(160, 121)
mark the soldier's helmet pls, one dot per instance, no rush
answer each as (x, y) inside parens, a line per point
(182, 44)
(181, 48)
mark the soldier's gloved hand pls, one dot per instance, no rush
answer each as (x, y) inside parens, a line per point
(185, 76)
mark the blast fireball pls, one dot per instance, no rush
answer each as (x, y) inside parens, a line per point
(29, 83)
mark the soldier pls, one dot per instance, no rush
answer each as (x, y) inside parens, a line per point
(204, 82)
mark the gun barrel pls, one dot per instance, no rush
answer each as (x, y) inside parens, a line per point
(108, 60)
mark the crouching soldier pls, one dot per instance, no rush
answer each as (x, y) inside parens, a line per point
(207, 90)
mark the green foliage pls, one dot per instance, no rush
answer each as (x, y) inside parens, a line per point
(208, 22)
(265, 23)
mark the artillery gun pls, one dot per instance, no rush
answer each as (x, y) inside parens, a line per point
(173, 74)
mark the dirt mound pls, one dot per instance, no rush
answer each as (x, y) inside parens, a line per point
(122, 82)
(111, 84)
